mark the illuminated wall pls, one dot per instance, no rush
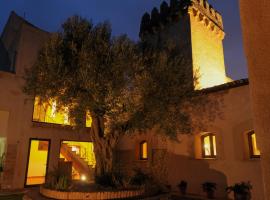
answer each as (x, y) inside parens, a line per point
(49, 113)
(207, 51)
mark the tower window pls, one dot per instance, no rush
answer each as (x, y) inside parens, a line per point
(253, 148)
(143, 150)
(209, 146)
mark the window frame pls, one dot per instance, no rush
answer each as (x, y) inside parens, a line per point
(250, 145)
(141, 150)
(213, 156)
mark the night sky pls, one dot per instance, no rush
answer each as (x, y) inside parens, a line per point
(125, 16)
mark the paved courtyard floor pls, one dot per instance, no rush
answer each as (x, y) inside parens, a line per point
(33, 194)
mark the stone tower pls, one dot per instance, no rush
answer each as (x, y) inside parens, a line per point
(195, 26)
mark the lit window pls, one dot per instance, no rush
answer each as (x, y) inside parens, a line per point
(143, 151)
(209, 149)
(88, 122)
(253, 148)
(48, 112)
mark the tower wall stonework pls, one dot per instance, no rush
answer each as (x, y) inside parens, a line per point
(199, 30)
(207, 48)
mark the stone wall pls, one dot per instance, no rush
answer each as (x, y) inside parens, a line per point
(183, 159)
(255, 19)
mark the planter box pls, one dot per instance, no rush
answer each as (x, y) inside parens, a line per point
(90, 195)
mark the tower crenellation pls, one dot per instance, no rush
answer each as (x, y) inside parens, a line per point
(167, 14)
(207, 10)
(193, 25)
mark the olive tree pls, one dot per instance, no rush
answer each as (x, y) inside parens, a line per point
(126, 87)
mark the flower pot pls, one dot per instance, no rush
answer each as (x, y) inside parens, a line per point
(238, 196)
(210, 194)
(183, 190)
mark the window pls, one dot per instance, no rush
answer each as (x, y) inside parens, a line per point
(49, 112)
(143, 150)
(209, 146)
(253, 148)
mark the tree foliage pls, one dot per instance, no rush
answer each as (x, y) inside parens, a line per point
(126, 86)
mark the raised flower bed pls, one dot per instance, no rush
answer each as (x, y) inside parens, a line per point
(98, 195)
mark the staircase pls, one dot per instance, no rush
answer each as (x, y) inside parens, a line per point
(78, 163)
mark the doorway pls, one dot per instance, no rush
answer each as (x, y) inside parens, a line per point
(37, 162)
(81, 157)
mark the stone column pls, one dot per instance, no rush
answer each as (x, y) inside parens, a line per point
(255, 19)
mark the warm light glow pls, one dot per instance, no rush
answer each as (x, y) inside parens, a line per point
(37, 162)
(255, 150)
(82, 156)
(207, 55)
(209, 146)
(214, 145)
(75, 149)
(88, 119)
(53, 110)
(144, 151)
(83, 177)
(49, 113)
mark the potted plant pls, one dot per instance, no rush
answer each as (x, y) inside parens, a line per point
(241, 190)
(182, 187)
(1, 167)
(209, 188)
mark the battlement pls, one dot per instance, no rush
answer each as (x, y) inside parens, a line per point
(208, 11)
(200, 9)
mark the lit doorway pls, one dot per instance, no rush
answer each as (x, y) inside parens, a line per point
(81, 157)
(37, 161)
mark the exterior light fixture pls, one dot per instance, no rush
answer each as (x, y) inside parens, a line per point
(83, 177)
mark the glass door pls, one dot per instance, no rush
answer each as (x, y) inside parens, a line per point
(37, 161)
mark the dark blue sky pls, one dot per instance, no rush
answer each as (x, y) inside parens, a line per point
(125, 16)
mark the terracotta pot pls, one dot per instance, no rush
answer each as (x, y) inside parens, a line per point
(183, 190)
(242, 196)
(210, 194)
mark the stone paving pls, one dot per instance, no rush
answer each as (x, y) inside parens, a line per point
(33, 194)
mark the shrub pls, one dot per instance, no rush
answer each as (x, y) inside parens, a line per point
(182, 187)
(57, 179)
(242, 189)
(209, 186)
(113, 179)
(140, 178)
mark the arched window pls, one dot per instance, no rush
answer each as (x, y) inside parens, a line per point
(143, 150)
(209, 149)
(253, 148)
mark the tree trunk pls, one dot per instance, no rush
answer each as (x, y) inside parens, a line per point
(104, 146)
